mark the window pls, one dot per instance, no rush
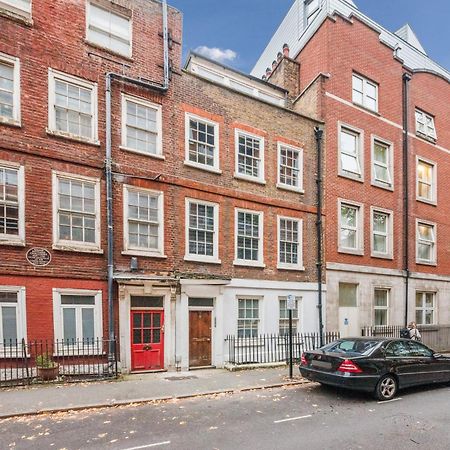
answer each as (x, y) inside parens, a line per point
(249, 235)
(9, 89)
(290, 168)
(12, 315)
(419, 350)
(202, 143)
(76, 203)
(72, 107)
(426, 243)
(425, 308)
(248, 317)
(143, 222)
(290, 243)
(311, 9)
(109, 29)
(20, 8)
(350, 228)
(382, 160)
(141, 126)
(381, 306)
(365, 92)
(12, 204)
(202, 231)
(284, 316)
(249, 156)
(426, 181)
(381, 233)
(77, 316)
(425, 125)
(348, 295)
(350, 153)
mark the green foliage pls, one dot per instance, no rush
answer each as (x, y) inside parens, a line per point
(45, 360)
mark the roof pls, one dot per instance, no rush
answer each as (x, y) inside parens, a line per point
(294, 31)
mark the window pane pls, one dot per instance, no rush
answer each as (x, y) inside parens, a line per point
(69, 324)
(9, 323)
(347, 294)
(87, 315)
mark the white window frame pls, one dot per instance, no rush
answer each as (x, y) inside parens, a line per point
(389, 166)
(365, 82)
(260, 178)
(214, 259)
(58, 318)
(427, 133)
(359, 250)
(389, 254)
(433, 260)
(158, 108)
(61, 244)
(359, 134)
(137, 251)
(382, 308)
(11, 239)
(10, 7)
(424, 308)
(295, 317)
(129, 54)
(246, 262)
(54, 75)
(21, 313)
(433, 200)
(259, 299)
(312, 15)
(214, 168)
(8, 60)
(288, 266)
(299, 151)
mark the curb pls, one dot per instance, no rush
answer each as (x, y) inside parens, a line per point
(143, 401)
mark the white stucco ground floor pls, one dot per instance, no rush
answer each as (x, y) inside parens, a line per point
(359, 296)
(180, 324)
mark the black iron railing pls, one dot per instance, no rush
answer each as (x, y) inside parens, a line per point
(272, 348)
(392, 331)
(24, 362)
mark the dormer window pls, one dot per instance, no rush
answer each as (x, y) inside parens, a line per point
(311, 9)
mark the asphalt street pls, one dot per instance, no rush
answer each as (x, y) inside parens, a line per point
(300, 417)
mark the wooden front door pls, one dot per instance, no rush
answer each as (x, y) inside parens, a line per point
(200, 338)
(147, 340)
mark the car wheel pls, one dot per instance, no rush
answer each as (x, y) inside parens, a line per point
(386, 388)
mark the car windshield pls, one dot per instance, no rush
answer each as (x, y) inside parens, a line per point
(357, 347)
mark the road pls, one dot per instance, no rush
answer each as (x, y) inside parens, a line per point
(301, 417)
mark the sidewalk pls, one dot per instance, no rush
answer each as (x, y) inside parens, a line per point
(139, 388)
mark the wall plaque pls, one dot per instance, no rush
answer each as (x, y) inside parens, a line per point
(38, 256)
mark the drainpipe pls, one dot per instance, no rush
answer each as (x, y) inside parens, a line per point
(162, 88)
(319, 136)
(406, 79)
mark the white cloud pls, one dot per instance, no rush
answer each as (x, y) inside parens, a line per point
(217, 54)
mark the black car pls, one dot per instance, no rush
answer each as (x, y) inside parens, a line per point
(378, 365)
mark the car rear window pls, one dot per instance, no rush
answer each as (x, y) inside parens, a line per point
(353, 346)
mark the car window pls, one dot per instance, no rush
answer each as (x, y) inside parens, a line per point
(353, 346)
(398, 348)
(417, 349)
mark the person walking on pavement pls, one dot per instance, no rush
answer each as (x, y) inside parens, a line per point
(414, 332)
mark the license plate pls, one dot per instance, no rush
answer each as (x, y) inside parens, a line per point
(321, 364)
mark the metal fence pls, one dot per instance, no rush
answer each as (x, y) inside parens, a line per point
(272, 348)
(24, 362)
(436, 337)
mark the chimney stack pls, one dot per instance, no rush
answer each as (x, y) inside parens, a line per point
(268, 72)
(286, 50)
(274, 64)
(279, 56)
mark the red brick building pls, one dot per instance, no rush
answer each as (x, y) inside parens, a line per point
(179, 205)
(386, 106)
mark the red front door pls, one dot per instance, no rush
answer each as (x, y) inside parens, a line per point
(147, 340)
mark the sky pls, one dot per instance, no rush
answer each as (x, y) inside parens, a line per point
(236, 32)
